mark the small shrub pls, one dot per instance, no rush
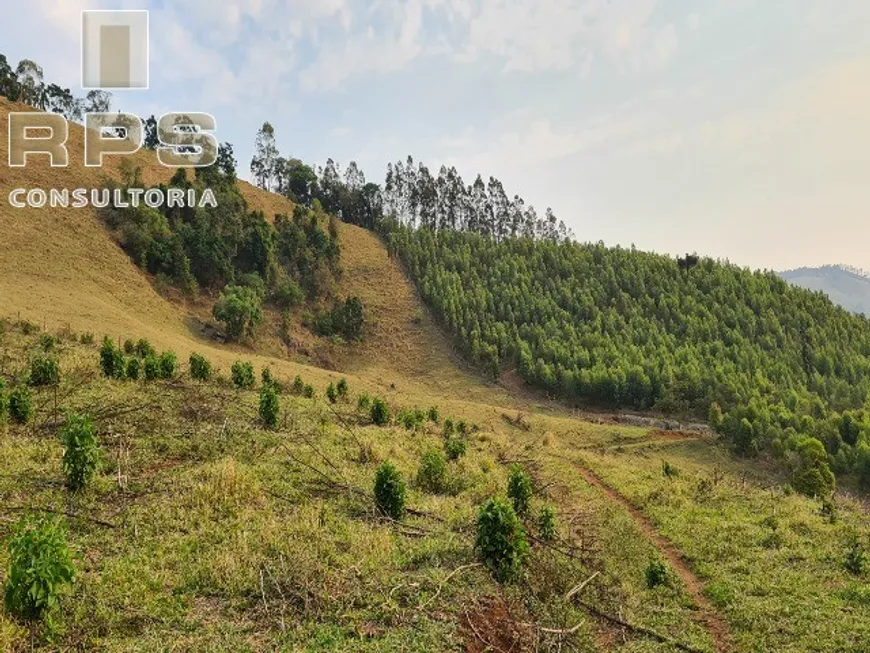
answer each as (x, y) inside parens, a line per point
(144, 349)
(331, 393)
(111, 360)
(668, 470)
(364, 403)
(243, 375)
(449, 428)
(433, 415)
(855, 561)
(48, 342)
(308, 391)
(129, 347)
(81, 453)
(20, 404)
(267, 379)
(87, 338)
(168, 364)
(462, 427)
(829, 511)
(269, 407)
(380, 412)
(298, 386)
(432, 474)
(43, 372)
(133, 370)
(40, 568)
(341, 388)
(28, 328)
(719, 594)
(501, 540)
(200, 368)
(4, 400)
(390, 491)
(656, 574)
(455, 448)
(151, 367)
(547, 524)
(519, 490)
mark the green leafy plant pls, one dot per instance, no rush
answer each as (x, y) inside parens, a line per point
(390, 491)
(168, 364)
(81, 453)
(111, 360)
(269, 406)
(20, 404)
(519, 490)
(240, 309)
(433, 415)
(268, 379)
(200, 368)
(129, 347)
(308, 391)
(331, 393)
(87, 338)
(547, 524)
(133, 369)
(151, 368)
(364, 403)
(455, 448)
(449, 429)
(656, 574)
(855, 561)
(298, 386)
(144, 349)
(4, 400)
(432, 473)
(380, 412)
(40, 568)
(48, 342)
(43, 371)
(668, 470)
(341, 388)
(242, 375)
(501, 540)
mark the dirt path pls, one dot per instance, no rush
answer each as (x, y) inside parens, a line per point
(707, 615)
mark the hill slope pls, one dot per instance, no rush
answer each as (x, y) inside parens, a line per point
(849, 289)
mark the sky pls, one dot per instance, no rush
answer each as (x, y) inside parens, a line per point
(738, 129)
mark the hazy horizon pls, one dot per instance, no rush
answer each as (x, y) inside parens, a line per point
(739, 130)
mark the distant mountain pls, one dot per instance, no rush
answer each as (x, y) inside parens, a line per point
(849, 287)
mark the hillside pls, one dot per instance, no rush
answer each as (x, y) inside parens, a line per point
(208, 526)
(845, 287)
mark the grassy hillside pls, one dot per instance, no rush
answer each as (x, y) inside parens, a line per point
(206, 529)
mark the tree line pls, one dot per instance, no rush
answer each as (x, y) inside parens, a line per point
(411, 193)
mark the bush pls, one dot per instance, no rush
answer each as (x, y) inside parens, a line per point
(341, 388)
(40, 567)
(151, 367)
(501, 540)
(433, 415)
(449, 428)
(287, 294)
(298, 386)
(519, 490)
(308, 391)
(390, 491)
(455, 448)
(129, 347)
(20, 404)
(81, 453)
(240, 309)
(4, 400)
(331, 393)
(44, 371)
(200, 368)
(48, 342)
(669, 470)
(87, 338)
(380, 412)
(855, 561)
(364, 403)
(432, 474)
(812, 475)
(168, 364)
(133, 369)
(269, 407)
(547, 524)
(111, 360)
(243, 375)
(144, 349)
(655, 574)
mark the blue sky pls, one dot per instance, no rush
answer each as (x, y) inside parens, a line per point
(738, 129)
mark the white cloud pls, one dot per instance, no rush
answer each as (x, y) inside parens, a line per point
(693, 21)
